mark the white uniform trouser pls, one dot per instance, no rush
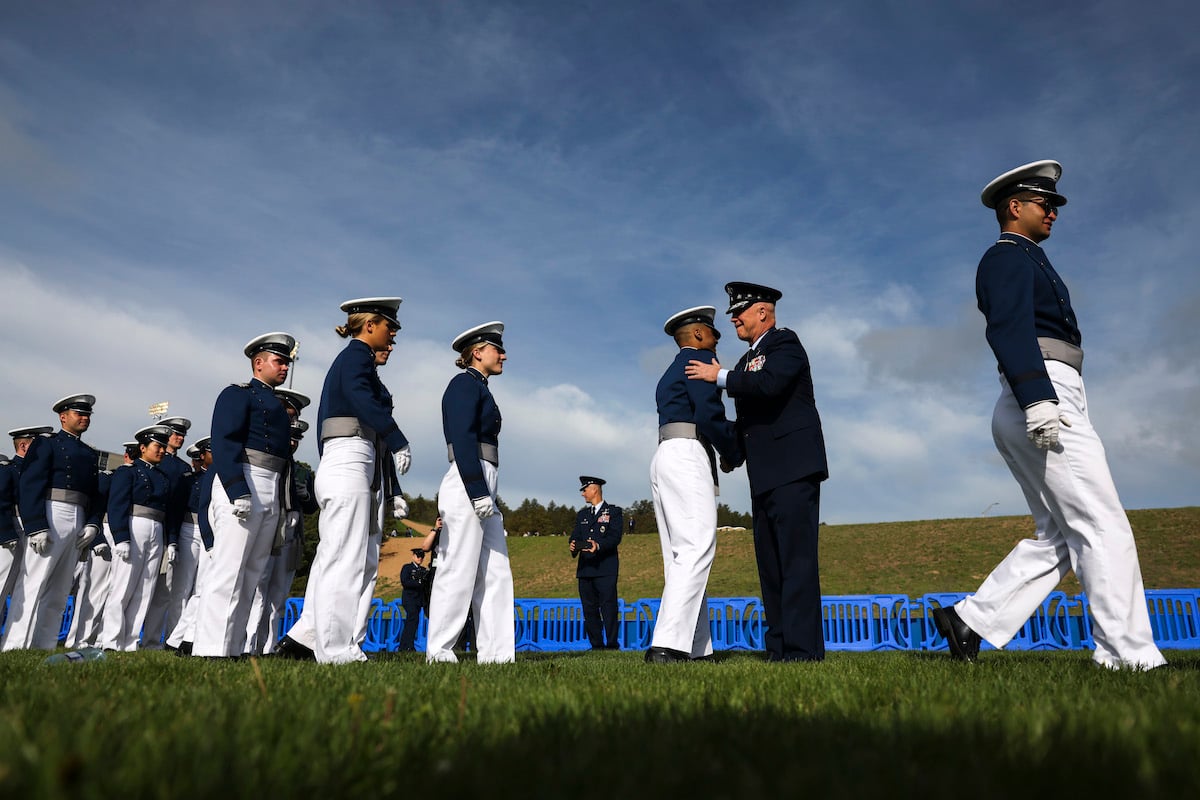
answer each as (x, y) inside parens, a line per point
(132, 583)
(1081, 525)
(473, 572)
(183, 573)
(91, 596)
(240, 551)
(333, 621)
(685, 505)
(185, 629)
(40, 595)
(272, 593)
(160, 599)
(10, 568)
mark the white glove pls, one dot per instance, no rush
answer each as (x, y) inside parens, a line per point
(40, 541)
(121, 550)
(403, 459)
(293, 521)
(172, 551)
(86, 535)
(241, 507)
(11, 544)
(102, 551)
(484, 507)
(399, 507)
(1041, 424)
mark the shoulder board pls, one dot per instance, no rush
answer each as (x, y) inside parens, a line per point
(1005, 241)
(241, 385)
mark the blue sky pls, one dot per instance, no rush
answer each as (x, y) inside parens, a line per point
(177, 178)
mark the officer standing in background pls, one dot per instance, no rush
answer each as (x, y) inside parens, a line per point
(251, 450)
(1041, 427)
(165, 605)
(780, 431)
(60, 511)
(11, 545)
(598, 530)
(413, 577)
(683, 486)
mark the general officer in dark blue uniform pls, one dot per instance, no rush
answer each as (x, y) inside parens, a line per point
(780, 431)
(251, 451)
(1041, 426)
(61, 511)
(598, 530)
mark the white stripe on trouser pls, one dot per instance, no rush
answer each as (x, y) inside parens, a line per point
(240, 551)
(185, 629)
(131, 587)
(343, 570)
(685, 507)
(40, 595)
(1081, 525)
(473, 573)
(90, 597)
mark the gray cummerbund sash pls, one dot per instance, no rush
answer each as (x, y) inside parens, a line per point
(266, 460)
(69, 496)
(487, 452)
(677, 430)
(146, 512)
(1058, 350)
(339, 427)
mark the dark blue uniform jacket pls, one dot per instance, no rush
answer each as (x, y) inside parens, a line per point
(470, 417)
(683, 400)
(777, 418)
(1022, 298)
(247, 416)
(140, 484)
(60, 461)
(606, 527)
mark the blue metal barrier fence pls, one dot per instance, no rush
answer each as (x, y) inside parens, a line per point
(873, 622)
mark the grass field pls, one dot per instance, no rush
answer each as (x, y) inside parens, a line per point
(603, 725)
(600, 726)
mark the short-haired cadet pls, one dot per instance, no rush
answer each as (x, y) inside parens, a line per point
(780, 431)
(60, 511)
(598, 529)
(10, 522)
(166, 604)
(137, 514)
(473, 567)
(362, 453)
(251, 451)
(1041, 427)
(692, 431)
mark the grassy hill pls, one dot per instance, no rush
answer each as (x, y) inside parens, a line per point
(896, 557)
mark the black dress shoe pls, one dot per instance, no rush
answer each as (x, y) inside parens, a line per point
(290, 648)
(665, 655)
(964, 642)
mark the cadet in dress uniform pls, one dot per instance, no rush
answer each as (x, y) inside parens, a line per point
(189, 546)
(362, 452)
(683, 486)
(91, 592)
(60, 510)
(780, 432)
(199, 499)
(166, 604)
(11, 546)
(137, 514)
(1041, 427)
(251, 450)
(285, 560)
(473, 567)
(598, 530)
